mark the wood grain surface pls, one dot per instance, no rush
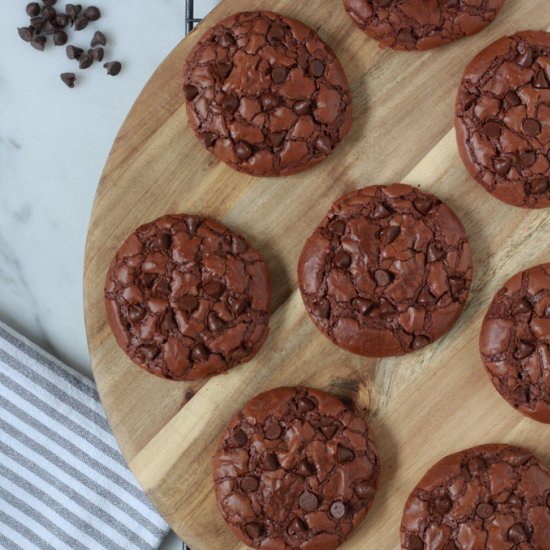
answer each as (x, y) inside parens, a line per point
(421, 406)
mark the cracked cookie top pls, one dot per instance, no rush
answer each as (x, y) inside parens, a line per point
(295, 469)
(503, 119)
(421, 24)
(187, 298)
(515, 340)
(491, 496)
(266, 95)
(387, 271)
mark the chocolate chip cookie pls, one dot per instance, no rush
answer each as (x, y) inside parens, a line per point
(295, 469)
(387, 271)
(515, 342)
(187, 298)
(492, 496)
(503, 119)
(266, 95)
(421, 24)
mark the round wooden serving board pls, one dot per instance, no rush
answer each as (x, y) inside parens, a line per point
(421, 406)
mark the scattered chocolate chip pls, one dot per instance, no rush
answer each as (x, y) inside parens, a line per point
(61, 20)
(364, 490)
(540, 80)
(476, 465)
(48, 12)
(113, 68)
(531, 127)
(502, 166)
(523, 350)
(60, 38)
(415, 543)
(39, 43)
(525, 57)
(72, 10)
(237, 305)
(317, 68)
(190, 92)
(169, 322)
(277, 138)
(200, 353)
(279, 74)
(49, 28)
(85, 61)
(308, 501)
(273, 431)
(230, 103)
(517, 533)
(97, 54)
(305, 468)
(389, 234)
(135, 313)
(188, 303)
(321, 308)
(49, 2)
(149, 352)
(383, 277)
(337, 510)
(92, 13)
(81, 23)
(98, 39)
(423, 205)
(249, 484)
(539, 185)
(68, 79)
(275, 34)
(37, 23)
(512, 99)
(296, 527)
(492, 129)
(420, 342)
(32, 9)
(214, 322)
(343, 454)
(338, 227)
(271, 463)
(329, 430)
(239, 438)
(73, 52)
(26, 33)
(323, 144)
(435, 253)
(342, 259)
(362, 305)
(243, 150)
(523, 306)
(443, 504)
(254, 530)
(527, 159)
(484, 510)
(302, 107)
(214, 289)
(305, 405)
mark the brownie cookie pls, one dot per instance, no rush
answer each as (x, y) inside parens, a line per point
(515, 342)
(489, 497)
(295, 469)
(187, 298)
(421, 24)
(266, 95)
(387, 271)
(503, 119)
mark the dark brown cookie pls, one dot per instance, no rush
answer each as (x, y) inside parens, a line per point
(515, 340)
(387, 271)
(266, 95)
(503, 119)
(421, 24)
(490, 497)
(187, 298)
(295, 469)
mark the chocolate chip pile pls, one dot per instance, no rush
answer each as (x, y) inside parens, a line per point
(295, 469)
(45, 21)
(187, 298)
(503, 119)
(514, 342)
(387, 271)
(493, 496)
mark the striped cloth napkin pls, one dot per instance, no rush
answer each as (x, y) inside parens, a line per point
(63, 481)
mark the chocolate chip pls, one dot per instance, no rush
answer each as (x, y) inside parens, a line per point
(539, 185)
(523, 350)
(209, 138)
(390, 233)
(337, 510)
(148, 352)
(381, 211)
(239, 438)
(200, 353)
(73, 52)
(162, 241)
(321, 308)
(225, 40)
(26, 33)
(49, 2)
(271, 463)
(540, 80)
(249, 484)
(338, 227)
(48, 12)
(97, 54)
(531, 127)
(435, 253)
(527, 159)
(415, 543)
(39, 43)
(85, 61)
(492, 129)
(343, 454)
(296, 527)
(224, 69)
(525, 57)
(279, 74)
(517, 533)
(254, 530)
(468, 100)
(443, 504)
(81, 23)
(98, 39)
(342, 259)
(523, 306)
(32, 9)
(383, 277)
(308, 501)
(302, 107)
(502, 166)
(49, 28)
(423, 205)
(420, 342)
(37, 23)
(161, 287)
(214, 289)
(188, 303)
(135, 313)
(305, 405)
(169, 322)
(273, 431)
(484, 510)
(323, 144)
(60, 38)
(406, 36)
(317, 68)
(385, 306)
(512, 99)
(243, 150)
(426, 297)
(190, 92)
(305, 468)
(476, 465)
(68, 79)
(275, 34)
(148, 279)
(92, 13)
(61, 20)
(277, 138)
(364, 490)
(362, 305)
(72, 10)
(214, 322)
(270, 101)
(230, 103)
(113, 67)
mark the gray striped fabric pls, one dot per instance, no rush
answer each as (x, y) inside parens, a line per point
(63, 481)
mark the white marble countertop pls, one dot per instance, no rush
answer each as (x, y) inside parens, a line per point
(53, 144)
